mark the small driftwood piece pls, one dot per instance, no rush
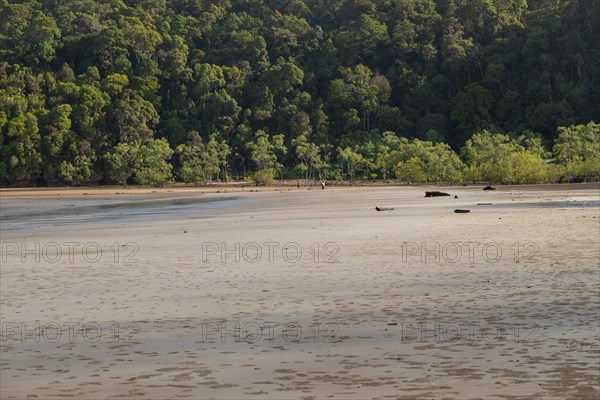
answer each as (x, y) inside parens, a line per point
(435, 193)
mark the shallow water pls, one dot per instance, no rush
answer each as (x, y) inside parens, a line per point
(124, 211)
(555, 204)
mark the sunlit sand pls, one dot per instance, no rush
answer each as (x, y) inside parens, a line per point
(295, 293)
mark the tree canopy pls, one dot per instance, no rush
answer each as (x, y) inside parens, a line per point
(150, 91)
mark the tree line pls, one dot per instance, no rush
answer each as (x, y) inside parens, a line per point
(153, 91)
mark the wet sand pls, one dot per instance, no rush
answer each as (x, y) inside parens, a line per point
(301, 294)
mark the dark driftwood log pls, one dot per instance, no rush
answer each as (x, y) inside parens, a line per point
(384, 208)
(489, 188)
(484, 204)
(435, 194)
(460, 211)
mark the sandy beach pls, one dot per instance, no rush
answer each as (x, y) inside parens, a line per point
(286, 293)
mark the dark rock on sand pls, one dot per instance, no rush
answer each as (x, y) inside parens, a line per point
(435, 194)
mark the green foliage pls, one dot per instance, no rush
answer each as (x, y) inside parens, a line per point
(498, 158)
(577, 148)
(352, 161)
(577, 143)
(411, 171)
(20, 139)
(201, 163)
(309, 155)
(77, 172)
(352, 87)
(122, 162)
(488, 156)
(154, 168)
(147, 162)
(264, 151)
(526, 167)
(443, 164)
(264, 176)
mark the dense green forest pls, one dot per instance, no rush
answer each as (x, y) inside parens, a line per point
(152, 91)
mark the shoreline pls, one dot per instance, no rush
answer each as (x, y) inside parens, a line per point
(243, 187)
(305, 294)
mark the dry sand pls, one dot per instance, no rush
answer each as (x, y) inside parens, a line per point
(133, 296)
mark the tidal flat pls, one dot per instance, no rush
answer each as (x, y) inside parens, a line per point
(291, 293)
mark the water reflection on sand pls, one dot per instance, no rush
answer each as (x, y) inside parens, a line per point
(81, 212)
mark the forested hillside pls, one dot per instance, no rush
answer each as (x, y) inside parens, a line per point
(149, 91)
